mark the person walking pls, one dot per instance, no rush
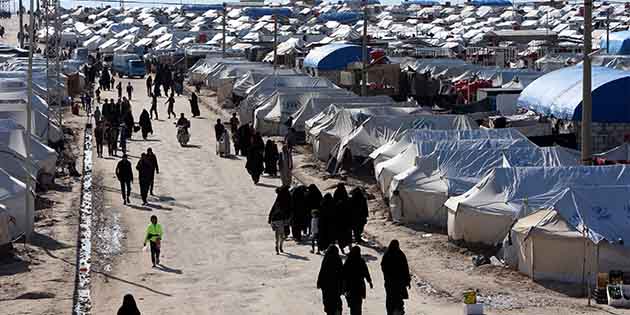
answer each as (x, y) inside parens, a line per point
(123, 137)
(156, 168)
(129, 90)
(271, 158)
(286, 174)
(329, 280)
(359, 213)
(254, 164)
(154, 234)
(291, 141)
(149, 83)
(125, 177)
(118, 88)
(97, 115)
(171, 102)
(145, 174)
(355, 273)
(397, 278)
(128, 306)
(315, 231)
(279, 216)
(145, 124)
(343, 226)
(194, 105)
(234, 123)
(218, 130)
(153, 106)
(112, 141)
(99, 134)
(298, 212)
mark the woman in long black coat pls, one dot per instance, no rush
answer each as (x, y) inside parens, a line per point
(271, 158)
(326, 221)
(397, 278)
(313, 201)
(254, 164)
(355, 273)
(194, 105)
(129, 306)
(329, 281)
(343, 217)
(145, 124)
(129, 122)
(299, 209)
(359, 208)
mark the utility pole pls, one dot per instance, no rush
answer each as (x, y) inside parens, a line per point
(275, 42)
(608, 30)
(587, 101)
(20, 14)
(30, 208)
(224, 22)
(364, 48)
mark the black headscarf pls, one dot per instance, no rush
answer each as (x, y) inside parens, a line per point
(330, 273)
(341, 195)
(282, 206)
(359, 207)
(355, 272)
(313, 197)
(394, 266)
(129, 306)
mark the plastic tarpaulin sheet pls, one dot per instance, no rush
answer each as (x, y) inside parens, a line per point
(386, 170)
(333, 56)
(13, 144)
(316, 105)
(252, 77)
(560, 93)
(270, 117)
(425, 187)
(12, 197)
(620, 153)
(485, 213)
(379, 130)
(399, 144)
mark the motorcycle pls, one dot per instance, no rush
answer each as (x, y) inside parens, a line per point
(182, 135)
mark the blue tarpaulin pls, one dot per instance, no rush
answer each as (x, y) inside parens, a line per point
(200, 8)
(341, 17)
(421, 2)
(491, 3)
(260, 12)
(619, 43)
(560, 93)
(333, 56)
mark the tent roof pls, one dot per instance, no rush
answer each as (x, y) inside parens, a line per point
(619, 43)
(333, 56)
(560, 93)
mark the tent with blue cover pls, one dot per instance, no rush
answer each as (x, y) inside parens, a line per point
(560, 93)
(618, 43)
(333, 57)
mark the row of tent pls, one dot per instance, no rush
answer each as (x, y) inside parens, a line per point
(15, 218)
(493, 187)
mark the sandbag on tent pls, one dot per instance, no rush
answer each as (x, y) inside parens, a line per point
(317, 104)
(550, 244)
(374, 133)
(386, 170)
(270, 117)
(12, 197)
(398, 145)
(326, 135)
(425, 187)
(485, 213)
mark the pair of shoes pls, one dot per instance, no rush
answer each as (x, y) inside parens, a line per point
(124, 202)
(281, 250)
(128, 201)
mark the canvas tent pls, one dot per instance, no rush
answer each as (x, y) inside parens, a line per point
(425, 187)
(398, 145)
(378, 130)
(12, 197)
(316, 105)
(386, 170)
(485, 213)
(580, 234)
(13, 153)
(269, 118)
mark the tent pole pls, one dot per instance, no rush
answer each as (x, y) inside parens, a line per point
(584, 286)
(587, 98)
(30, 211)
(364, 50)
(275, 42)
(223, 22)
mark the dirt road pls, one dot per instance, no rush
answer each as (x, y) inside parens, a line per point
(218, 250)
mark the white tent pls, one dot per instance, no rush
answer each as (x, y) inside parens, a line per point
(398, 145)
(386, 170)
(108, 46)
(485, 213)
(13, 153)
(93, 42)
(13, 107)
(269, 118)
(551, 244)
(13, 198)
(425, 187)
(317, 104)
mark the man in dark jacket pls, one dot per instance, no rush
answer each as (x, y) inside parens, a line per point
(124, 174)
(156, 169)
(129, 90)
(119, 89)
(145, 174)
(149, 84)
(99, 135)
(219, 129)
